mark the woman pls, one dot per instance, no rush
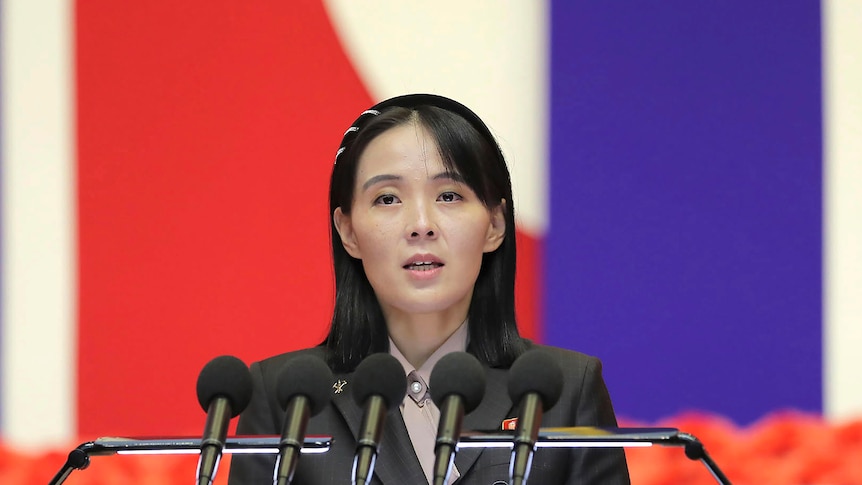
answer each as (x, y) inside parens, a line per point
(423, 242)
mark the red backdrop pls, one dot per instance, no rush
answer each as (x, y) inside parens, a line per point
(206, 134)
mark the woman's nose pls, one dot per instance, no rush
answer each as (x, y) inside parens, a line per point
(421, 223)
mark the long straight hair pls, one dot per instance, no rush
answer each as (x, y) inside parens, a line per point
(467, 148)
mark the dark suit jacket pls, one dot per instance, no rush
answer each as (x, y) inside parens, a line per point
(584, 402)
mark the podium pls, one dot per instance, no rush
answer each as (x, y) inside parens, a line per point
(573, 437)
(79, 458)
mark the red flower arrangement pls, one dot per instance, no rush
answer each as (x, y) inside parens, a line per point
(785, 448)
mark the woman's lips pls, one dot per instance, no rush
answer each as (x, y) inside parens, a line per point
(423, 266)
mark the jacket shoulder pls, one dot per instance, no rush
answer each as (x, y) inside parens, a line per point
(561, 354)
(273, 365)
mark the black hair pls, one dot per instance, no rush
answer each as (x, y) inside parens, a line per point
(467, 148)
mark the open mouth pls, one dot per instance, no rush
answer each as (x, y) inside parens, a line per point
(423, 266)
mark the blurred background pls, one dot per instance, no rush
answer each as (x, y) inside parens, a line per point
(685, 185)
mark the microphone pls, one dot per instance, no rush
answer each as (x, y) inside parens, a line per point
(380, 384)
(302, 390)
(535, 381)
(458, 384)
(224, 390)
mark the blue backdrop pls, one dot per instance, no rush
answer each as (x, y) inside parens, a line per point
(685, 239)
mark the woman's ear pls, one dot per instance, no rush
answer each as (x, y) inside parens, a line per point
(345, 231)
(497, 228)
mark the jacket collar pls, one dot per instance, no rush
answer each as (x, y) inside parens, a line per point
(396, 460)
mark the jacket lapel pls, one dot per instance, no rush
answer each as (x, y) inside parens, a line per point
(488, 416)
(396, 460)
(342, 399)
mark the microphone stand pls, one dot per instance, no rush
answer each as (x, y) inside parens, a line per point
(694, 450)
(78, 459)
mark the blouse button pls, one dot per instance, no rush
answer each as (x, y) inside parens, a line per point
(415, 387)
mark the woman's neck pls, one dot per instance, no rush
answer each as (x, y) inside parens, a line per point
(419, 336)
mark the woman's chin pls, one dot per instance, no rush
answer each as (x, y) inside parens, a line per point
(429, 306)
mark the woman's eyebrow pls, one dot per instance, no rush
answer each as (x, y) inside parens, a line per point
(453, 176)
(379, 178)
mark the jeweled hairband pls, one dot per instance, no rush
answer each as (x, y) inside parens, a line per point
(353, 129)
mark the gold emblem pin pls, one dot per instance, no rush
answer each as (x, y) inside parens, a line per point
(339, 386)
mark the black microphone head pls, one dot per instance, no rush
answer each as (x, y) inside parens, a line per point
(381, 375)
(225, 376)
(305, 375)
(536, 371)
(458, 373)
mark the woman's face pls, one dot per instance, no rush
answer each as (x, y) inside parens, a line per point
(419, 231)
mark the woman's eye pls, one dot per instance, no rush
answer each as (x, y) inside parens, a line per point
(386, 199)
(449, 197)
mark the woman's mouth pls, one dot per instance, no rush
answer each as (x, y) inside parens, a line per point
(422, 266)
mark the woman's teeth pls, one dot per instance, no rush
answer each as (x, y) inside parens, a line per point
(423, 266)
